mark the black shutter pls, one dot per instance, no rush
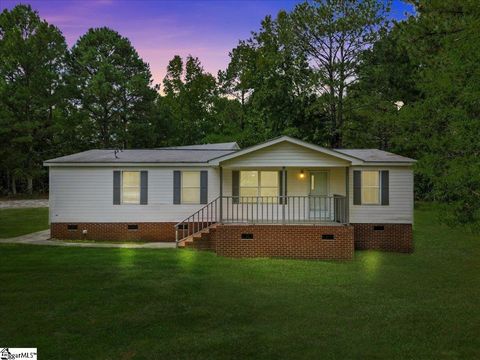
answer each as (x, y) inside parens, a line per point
(357, 187)
(203, 187)
(143, 187)
(385, 187)
(177, 183)
(235, 185)
(280, 185)
(116, 187)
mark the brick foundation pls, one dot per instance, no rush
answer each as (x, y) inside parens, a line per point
(149, 232)
(393, 237)
(285, 241)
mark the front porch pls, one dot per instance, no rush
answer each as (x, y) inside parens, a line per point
(264, 197)
(278, 199)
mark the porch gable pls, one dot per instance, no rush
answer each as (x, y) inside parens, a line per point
(283, 154)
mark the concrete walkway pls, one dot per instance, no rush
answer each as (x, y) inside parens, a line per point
(20, 204)
(43, 238)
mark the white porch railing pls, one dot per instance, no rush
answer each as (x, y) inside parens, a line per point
(310, 209)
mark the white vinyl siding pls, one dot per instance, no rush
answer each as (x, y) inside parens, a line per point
(85, 194)
(400, 208)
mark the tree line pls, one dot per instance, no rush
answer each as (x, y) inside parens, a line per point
(333, 72)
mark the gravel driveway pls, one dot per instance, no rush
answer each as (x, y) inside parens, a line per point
(18, 204)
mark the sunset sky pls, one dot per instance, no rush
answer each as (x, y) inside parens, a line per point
(161, 29)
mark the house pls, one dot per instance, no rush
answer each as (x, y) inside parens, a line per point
(280, 198)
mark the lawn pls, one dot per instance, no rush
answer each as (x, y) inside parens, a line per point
(16, 222)
(77, 303)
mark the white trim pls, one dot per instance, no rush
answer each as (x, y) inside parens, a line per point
(210, 165)
(333, 153)
(127, 164)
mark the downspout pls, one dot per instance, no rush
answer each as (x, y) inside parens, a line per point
(284, 199)
(347, 197)
(221, 195)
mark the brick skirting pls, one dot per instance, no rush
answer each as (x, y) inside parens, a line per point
(285, 241)
(385, 237)
(147, 231)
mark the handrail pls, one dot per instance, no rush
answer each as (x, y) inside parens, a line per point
(290, 209)
(209, 216)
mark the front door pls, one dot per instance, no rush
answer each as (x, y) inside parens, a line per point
(319, 201)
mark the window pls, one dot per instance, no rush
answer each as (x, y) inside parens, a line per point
(131, 187)
(268, 183)
(370, 187)
(258, 183)
(191, 187)
(248, 183)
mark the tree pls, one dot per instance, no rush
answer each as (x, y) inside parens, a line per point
(441, 128)
(32, 70)
(112, 91)
(236, 80)
(271, 78)
(190, 93)
(334, 34)
(386, 81)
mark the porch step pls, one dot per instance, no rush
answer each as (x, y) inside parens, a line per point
(201, 240)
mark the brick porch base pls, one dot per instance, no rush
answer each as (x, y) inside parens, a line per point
(284, 241)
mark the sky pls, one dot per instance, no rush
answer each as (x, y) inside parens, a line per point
(160, 29)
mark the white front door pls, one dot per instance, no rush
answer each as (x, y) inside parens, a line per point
(320, 207)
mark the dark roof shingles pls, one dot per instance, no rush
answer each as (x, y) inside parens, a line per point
(142, 156)
(374, 155)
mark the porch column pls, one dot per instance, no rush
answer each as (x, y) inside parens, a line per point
(347, 195)
(221, 195)
(284, 199)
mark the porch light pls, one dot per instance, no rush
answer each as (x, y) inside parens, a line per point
(302, 174)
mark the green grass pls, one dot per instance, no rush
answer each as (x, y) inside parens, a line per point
(77, 303)
(16, 222)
